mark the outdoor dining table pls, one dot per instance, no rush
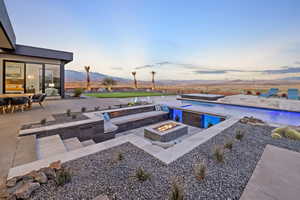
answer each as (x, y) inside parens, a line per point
(29, 95)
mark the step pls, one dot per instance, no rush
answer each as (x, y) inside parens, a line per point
(50, 146)
(72, 144)
(88, 142)
(26, 150)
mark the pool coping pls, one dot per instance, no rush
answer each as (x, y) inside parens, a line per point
(239, 105)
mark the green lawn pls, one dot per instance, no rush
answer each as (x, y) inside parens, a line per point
(124, 94)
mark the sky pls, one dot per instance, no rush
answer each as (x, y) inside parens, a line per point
(180, 40)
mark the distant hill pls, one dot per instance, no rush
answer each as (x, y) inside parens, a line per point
(72, 75)
(292, 78)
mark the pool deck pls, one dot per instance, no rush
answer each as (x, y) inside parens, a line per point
(276, 103)
(276, 176)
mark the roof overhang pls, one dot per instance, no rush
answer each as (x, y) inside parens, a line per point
(7, 35)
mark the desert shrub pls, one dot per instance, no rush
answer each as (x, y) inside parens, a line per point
(118, 157)
(63, 176)
(43, 121)
(78, 92)
(177, 192)
(228, 145)
(239, 135)
(68, 112)
(74, 116)
(109, 107)
(258, 93)
(83, 109)
(218, 153)
(249, 92)
(96, 108)
(141, 174)
(287, 132)
(283, 95)
(276, 136)
(200, 170)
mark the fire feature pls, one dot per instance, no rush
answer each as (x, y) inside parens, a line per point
(166, 127)
(166, 131)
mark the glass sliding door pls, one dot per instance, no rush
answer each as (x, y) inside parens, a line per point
(14, 81)
(34, 78)
(52, 80)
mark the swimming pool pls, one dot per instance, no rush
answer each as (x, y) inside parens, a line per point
(268, 115)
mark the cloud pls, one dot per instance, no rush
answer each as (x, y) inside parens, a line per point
(116, 68)
(144, 66)
(283, 70)
(216, 71)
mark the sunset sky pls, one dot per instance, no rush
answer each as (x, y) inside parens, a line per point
(213, 39)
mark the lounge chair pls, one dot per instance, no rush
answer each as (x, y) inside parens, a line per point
(293, 93)
(39, 98)
(271, 92)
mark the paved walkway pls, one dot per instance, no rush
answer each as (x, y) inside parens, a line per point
(271, 102)
(276, 176)
(10, 123)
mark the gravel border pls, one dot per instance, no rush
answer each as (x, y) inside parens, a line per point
(97, 174)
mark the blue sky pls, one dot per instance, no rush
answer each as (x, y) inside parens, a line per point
(213, 39)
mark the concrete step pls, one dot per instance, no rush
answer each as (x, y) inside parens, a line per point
(72, 144)
(88, 143)
(50, 146)
(26, 150)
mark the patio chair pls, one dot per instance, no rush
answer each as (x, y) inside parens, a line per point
(19, 103)
(39, 98)
(293, 93)
(4, 104)
(271, 92)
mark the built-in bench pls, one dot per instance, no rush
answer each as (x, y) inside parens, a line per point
(138, 120)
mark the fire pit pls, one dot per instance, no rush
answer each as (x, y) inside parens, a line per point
(165, 131)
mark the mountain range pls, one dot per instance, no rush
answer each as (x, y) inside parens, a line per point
(77, 76)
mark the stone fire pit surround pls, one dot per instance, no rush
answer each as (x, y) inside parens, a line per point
(152, 133)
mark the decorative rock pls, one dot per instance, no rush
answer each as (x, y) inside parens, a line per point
(101, 197)
(50, 173)
(12, 182)
(55, 165)
(251, 120)
(38, 176)
(26, 189)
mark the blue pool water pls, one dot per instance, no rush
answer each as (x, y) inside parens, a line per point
(268, 115)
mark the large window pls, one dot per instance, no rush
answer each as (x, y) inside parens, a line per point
(34, 78)
(14, 77)
(20, 77)
(52, 80)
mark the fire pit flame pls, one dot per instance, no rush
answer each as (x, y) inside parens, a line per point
(166, 127)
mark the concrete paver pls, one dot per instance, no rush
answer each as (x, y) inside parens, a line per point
(276, 176)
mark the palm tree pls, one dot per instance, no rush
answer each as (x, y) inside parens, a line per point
(153, 74)
(109, 82)
(87, 69)
(134, 77)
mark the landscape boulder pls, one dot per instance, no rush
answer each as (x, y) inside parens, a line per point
(26, 189)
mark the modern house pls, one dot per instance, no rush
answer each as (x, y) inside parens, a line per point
(27, 69)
